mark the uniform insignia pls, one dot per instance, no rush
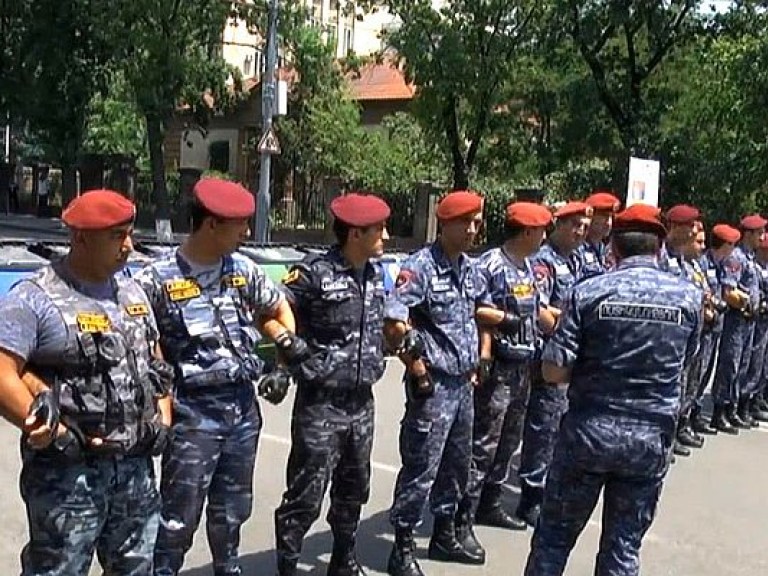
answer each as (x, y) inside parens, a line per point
(633, 312)
(235, 281)
(330, 285)
(137, 309)
(403, 278)
(521, 290)
(541, 271)
(182, 289)
(291, 276)
(90, 322)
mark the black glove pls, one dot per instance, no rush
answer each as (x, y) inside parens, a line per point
(156, 436)
(419, 387)
(45, 407)
(71, 444)
(484, 370)
(274, 386)
(292, 349)
(161, 375)
(510, 324)
(413, 345)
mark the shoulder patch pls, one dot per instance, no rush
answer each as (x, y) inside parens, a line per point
(541, 272)
(403, 278)
(291, 276)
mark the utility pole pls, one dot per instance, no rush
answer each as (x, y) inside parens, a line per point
(261, 232)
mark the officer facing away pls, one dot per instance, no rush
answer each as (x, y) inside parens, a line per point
(430, 319)
(98, 410)
(338, 298)
(621, 342)
(509, 335)
(209, 301)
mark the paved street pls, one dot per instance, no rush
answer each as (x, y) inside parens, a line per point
(711, 520)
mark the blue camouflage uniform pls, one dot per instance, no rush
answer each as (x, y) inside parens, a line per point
(500, 403)
(753, 383)
(92, 344)
(555, 276)
(206, 316)
(340, 314)
(711, 331)
(436, 432)
(693, 272)
(625, 336)
(592, 259)
(738, 328)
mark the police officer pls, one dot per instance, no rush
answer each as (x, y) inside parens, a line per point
(430, 319)
(723, 240)
(553, 266)
(508, 345)
(209, 301)
(624, 399)
(681, 222)
(742, 292)
(338, 297)
(753, 387)
(593, 252)
(87, 478)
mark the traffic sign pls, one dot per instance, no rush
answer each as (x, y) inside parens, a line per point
(269, 144)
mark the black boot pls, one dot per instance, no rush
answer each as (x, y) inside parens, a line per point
(746, 414)
(700, 425)
(685, 436)
(286, 567)
(465, 534)
(529, 506)
(343, 560)
(735, 418)
(720, 421)
(444, 547)
(402, 562)
(762, 403)
(490, 512)
(758, 414)
(680, 450)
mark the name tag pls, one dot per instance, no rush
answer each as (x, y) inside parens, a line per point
(235, 281)
(182, 289)
(712, 274)
(631, 312)
(90, 322)
(590, 258)
(562, 269)
(137, 309)
(328, 285)
(521, 290)
(441, 284)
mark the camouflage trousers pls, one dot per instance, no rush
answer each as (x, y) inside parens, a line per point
(753, 382)
(546, 407)
(435, 448)
(212, 456)
(105, 504)
(706, 365)
(734, 356)
(331, 440)
(625, 461)
(500, 407)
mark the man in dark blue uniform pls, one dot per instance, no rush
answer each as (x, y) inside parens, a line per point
(430, 319)
(753, 386)
(593, 252)
(556, 272)
(508, 344)
(624, 399)
(338, 297)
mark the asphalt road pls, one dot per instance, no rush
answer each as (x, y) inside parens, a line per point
(711, 520)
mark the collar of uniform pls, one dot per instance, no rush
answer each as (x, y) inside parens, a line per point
(442, 262)
(747, 252)
(635, 261)
(336, 257)
(556, 250)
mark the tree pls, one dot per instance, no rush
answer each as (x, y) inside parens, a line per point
(460, 58)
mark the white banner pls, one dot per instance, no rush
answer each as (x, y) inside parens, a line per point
(643, 185)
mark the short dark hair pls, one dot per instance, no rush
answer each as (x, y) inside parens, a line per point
(716, 242)
(197, 214)
(512, 231)
(636, 243)
(341, 231)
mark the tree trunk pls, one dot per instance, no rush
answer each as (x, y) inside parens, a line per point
(68, 184)
(155, 137)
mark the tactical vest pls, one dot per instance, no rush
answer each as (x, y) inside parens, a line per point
(345, 326)
(103, 376)
(208, 333)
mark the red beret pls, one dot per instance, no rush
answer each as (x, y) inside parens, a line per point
(224, 199)
(604, 200)
(528, 214)
(360, 210)
(459, 203)
(726, 233)
(640, 218)
(98, 210)
(574, 208)
(753, 222)
(683, 214)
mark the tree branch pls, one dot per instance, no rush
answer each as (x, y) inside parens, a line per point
(667, 45)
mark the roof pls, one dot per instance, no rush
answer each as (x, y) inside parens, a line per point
(383, 81)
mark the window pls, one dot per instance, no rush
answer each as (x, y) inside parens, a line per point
(348, 45)
(248, 66)
(219, 155)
